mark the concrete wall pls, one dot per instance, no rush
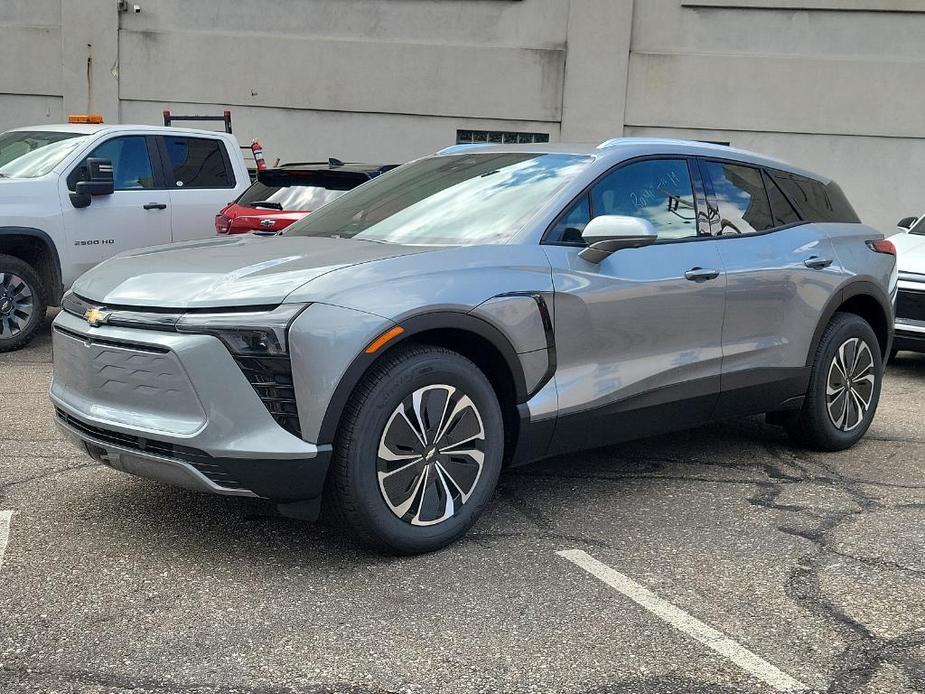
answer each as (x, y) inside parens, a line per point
(833, 85)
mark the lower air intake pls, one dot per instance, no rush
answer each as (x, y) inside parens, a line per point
(271, 377)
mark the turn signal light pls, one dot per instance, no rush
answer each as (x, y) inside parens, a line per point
(882, 246)
(90, 118)
(385, 337)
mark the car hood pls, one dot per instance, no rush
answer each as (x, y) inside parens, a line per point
(243, 271)
(910, 252)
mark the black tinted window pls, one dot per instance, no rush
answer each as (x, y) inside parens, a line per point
(131, 165)
(197, 163)
(658, 190)
(780, 207)
(741, 197)
(301, 192)
(816, 201)
(568, 229)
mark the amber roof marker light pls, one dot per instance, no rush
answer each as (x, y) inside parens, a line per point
(383, 339)
(88, 118)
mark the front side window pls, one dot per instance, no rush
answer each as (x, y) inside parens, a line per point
(463, 199)
(131, 164)
(34, 153)
(658, 190)
(197, 162)
(741, 197)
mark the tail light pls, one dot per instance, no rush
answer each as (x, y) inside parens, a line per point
(222, 224)
(882, 246)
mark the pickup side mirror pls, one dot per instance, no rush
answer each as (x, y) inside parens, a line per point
(906, 223)
(610, 233)
(99, 172)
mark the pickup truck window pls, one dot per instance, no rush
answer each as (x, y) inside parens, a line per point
(197, 163)
(131, 165)
(34, 153)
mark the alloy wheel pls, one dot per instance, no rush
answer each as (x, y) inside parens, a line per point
(850, 384)
(431, 455)
(17, 304)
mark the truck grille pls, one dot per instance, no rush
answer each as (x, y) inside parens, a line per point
(910, 305)
(200, 460)
(271, 377)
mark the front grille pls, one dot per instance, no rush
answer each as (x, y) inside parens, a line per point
(910, 305)
(271, 377)
(200, 460)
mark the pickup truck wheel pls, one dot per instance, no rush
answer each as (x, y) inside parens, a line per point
(22, 303)
(419, 451)
(844, 387)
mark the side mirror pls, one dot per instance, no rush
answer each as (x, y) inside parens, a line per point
(610, 233)
(99, 172)
(906, 223)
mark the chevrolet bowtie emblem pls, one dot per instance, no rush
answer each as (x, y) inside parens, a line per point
(267, 223)
(95, 317)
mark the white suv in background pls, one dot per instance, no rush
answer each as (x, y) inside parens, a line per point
(74, 195)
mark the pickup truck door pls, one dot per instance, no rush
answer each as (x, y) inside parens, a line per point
(136, 215)
(201, 180)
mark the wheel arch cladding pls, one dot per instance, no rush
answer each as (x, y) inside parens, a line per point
(472, 337)
(36, 248)
(861, 298)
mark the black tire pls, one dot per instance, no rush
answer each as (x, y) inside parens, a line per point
(354, 483)
(814, 426)
(19, 321)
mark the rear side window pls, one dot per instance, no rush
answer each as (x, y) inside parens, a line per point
(740, 195)
(781, 209)
(197, 163)
(816, 201)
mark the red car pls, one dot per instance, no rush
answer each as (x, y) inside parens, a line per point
(287, 193)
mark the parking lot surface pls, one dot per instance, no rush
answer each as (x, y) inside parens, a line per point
(814, 563)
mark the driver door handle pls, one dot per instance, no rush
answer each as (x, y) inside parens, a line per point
(817, 263)
(155, 206)
(699, 274)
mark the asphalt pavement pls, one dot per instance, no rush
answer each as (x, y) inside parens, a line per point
(811, 565)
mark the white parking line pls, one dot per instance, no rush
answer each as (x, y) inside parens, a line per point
(4, 532)
(681, 620)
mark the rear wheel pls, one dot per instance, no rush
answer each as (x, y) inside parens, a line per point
(22, 304)
(844, 387)
(419, 451)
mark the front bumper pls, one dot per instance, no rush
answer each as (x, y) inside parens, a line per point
(176, 408)
(910, 314)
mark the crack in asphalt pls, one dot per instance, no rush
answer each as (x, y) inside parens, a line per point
(865, 652)
(47, 474)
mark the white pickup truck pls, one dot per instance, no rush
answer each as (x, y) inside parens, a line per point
(74, 195)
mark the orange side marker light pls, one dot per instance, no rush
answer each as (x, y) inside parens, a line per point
(385, 337)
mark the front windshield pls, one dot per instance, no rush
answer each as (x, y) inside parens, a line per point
(34, 153)
(466, 199)
(919, 227)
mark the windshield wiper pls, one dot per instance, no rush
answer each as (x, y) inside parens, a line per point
(267, 203)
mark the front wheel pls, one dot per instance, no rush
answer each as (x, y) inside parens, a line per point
(22, 307)
(844, 387)
(418, 452)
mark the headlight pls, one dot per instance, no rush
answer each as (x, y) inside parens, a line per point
(251, 333)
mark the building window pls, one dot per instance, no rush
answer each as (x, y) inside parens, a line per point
(466, 137)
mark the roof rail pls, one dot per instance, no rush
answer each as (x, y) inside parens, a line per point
(453, 149)
(611, 142)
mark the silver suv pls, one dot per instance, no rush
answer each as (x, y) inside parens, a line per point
(484, 307)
